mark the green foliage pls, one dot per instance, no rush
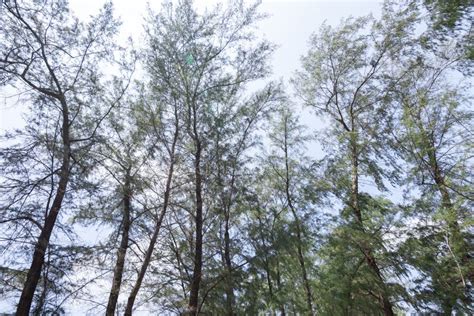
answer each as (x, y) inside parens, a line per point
(382, 225)
(344, 274)
(448, 14)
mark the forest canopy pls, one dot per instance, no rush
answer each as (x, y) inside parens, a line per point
(172, 174)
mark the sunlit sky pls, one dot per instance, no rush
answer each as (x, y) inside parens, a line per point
(289, 25)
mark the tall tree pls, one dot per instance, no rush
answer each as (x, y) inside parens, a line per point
(55, 58)
(287, 137)
(433, 118)
(124, 157)
(204, 60)
(234, 135)
(344, 78)
(199, 185)
(160, 117)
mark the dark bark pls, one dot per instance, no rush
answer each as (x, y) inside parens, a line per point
(151, 246)
(193, 307)
(34, 273)
(266, 261)
(196, 278)
(122, 251)
(40, 73)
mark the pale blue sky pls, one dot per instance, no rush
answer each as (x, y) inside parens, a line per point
(290, 25)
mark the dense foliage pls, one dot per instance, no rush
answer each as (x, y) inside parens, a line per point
(175, 178)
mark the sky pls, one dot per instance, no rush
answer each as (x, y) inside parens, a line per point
(290, 24)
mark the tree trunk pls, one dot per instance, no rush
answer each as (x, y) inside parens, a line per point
(266, 261)
(196, 278)
(456, 242)
(446, 203)
(121, 252)
(370, 259)
(34, 273)
(278, 281)
(304, 274)
(228, 265)
(151, 246)
(146, 261)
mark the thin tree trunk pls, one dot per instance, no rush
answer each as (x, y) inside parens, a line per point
(228, 264)
(121, 252)
(453, 224)
(196, 279)
(278, 279)
(459, 249)
(371, 262)
(266, 261)
(304, 274)
(151, 246)
(34, 273)
(193, 307)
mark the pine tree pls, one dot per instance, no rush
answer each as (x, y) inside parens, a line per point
(204, 61)
(432, 117)
(344, 78)
(54, 59)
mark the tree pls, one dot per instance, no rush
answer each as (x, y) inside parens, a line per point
(448, 14)
(265, 289)
(281, 223)
(163, 124)
(344, 77)
(234, 135)
(123, 156)
(448, 24)
(433, 117)
(53, 59)
(285, 137)
(204, 61)
(199, 183)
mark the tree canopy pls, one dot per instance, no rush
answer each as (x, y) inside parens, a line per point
(175, 176)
